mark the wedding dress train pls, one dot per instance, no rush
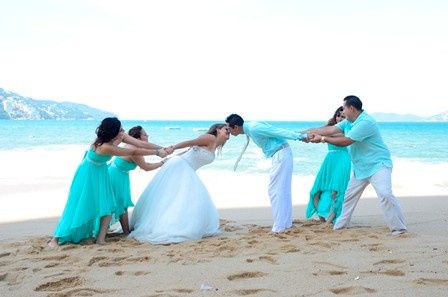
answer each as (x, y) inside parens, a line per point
(176, 206)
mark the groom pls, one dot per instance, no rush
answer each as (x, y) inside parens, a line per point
(273, 142)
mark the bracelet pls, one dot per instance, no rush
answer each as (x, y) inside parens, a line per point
(322, 139)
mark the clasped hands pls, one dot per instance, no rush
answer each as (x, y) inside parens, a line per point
(311, 137)
(165, 151)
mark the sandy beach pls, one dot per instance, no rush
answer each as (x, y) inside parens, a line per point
(245, 260)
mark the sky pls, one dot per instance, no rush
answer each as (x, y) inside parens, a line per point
(202, 60)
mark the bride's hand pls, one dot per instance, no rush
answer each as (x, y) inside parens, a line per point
(169, 149)
(161, 153)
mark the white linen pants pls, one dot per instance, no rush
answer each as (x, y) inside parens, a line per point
(280, 189)
(382, 183)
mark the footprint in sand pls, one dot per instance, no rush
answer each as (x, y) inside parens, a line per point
(54, 275)
(136, 273)
(352, 290)
(392, 261)
(393, 272)
(69, 247)
(83, 292)
(431, 282)
(373, 247)
(246, 274)
(68, 282)
(321, 244)
(4, 255)
(348, 240)
(54, 264)
(330, 272)
(290, 248)
(112, 250)
(183, 291)
(253, 242)
(336, 272)
(55, 258)
(95, 260)
(246, 292)
(268, 259)
(118, 261)
(3, 276)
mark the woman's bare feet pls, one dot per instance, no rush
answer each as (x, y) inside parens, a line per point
(53, 243)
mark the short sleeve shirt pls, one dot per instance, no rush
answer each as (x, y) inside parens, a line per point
(369, 153)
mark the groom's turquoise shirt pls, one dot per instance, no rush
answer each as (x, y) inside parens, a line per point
(369, 153)
(268, 137)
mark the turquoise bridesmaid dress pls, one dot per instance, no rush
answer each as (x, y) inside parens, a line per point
(90, 198)
(119, 177)
(333, 175)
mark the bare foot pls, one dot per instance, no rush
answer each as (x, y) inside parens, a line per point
(53, 243)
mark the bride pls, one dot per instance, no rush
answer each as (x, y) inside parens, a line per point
(176, 206)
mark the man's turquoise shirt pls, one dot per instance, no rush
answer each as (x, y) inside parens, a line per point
(268, 137)
(368, 152)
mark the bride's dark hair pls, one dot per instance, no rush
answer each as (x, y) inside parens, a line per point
(213, 130)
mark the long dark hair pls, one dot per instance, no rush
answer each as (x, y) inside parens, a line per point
(107, 130)
(338, 112)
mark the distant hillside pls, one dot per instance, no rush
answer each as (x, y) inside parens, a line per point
(393, 117)
(16, 107)
(439, 117)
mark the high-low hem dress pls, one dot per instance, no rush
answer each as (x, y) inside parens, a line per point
(333, 175)
(90, 198)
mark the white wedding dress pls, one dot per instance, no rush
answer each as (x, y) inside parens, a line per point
(176, 206)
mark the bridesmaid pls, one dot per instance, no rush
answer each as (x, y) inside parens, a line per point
(91, 202)
(119, 176)
(327, 193)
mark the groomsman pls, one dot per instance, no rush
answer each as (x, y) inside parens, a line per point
(371, 161)
(273, 142)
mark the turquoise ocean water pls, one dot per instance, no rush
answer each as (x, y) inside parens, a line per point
(421, 141)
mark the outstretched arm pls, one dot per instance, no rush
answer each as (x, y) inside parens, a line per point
(336, 140)
(203, 140)
(137, 142)
(325, 131)
(272, 131)
(140, 161)
(143, 144)
(109, 149)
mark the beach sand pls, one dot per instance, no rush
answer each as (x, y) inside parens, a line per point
(245, 260)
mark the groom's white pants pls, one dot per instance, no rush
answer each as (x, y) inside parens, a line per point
(382, 183)
(280, 189)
